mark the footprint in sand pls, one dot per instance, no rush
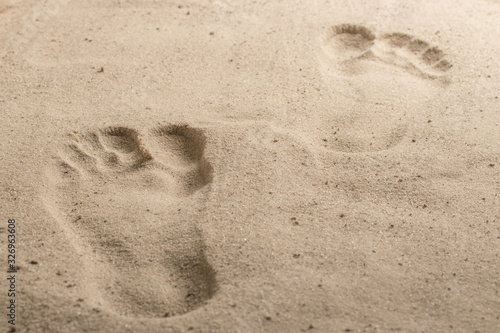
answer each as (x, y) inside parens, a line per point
(130, 202)
(376, 86)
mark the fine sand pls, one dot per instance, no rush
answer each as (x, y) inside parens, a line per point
(251, 166)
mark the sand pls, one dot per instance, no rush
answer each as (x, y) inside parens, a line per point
(251, 166)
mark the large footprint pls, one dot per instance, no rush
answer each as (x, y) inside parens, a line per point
(376, 84)
(132, 201)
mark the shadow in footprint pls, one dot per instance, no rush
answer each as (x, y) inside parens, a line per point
(376, 84)
(183, 148)
(132, 200)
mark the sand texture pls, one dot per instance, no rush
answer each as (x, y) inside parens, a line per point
(251, 166)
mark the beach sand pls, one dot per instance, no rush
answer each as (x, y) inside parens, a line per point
(251, 166)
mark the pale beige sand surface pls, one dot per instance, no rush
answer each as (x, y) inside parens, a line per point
(251, 166)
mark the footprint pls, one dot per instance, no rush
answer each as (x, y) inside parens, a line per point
(377, 84)
(414, 55)
(345, 43)
(131, 200)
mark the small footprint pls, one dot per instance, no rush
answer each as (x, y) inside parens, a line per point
(377, 85)
(349, 42)
(132, 199)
